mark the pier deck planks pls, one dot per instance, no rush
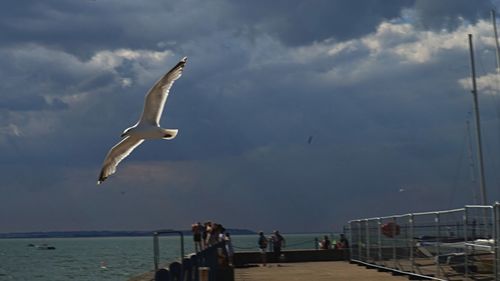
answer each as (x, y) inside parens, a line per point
(317, 271)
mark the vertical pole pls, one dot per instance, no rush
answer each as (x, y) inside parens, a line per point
(438, 240)
(368, 241)
(182, 245)
(472, 164)
(356, 226)
(412, 234)
(361, 242)
(493, 21)
(156, 250)
(182, 255)
(351, 245)
(379, 238)
(394, 256)
(495, 238)
(355, 237)
(466, 238)
(478, 125)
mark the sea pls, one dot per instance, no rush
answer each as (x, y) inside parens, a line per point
(110, 258)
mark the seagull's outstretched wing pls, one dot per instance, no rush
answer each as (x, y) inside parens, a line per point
(116, 155)
(156, 97)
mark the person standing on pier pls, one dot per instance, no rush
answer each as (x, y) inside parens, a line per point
(278, 242)
(343, 243)
(343, 246)
(197, 229)
(326, 243)
(229, 248)
(262, 243)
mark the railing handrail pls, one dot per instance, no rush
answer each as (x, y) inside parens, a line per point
(156, 244)
(393, 242)
(420, 213)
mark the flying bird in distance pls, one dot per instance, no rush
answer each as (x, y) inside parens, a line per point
(148, 126)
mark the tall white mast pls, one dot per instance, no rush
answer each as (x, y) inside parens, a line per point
(472, 165)
(482, 184)
(497, 53)
(494, 22)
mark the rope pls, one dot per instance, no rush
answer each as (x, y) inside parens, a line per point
(244, 248)
(300, 243)
(287, 245)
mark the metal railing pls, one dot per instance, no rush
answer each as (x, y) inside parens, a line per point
(454, 244)
(213, 260)
(156, 244)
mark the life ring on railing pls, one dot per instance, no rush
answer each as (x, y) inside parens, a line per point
(390, 229)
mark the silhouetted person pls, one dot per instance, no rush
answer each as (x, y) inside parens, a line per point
(278, 242)
(326, 243)
(342, 243)
(197, 229)
(262, 243)
(343, 246)
(229, 248)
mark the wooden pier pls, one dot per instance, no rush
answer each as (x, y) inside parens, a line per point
(295, 265)
(318, 271)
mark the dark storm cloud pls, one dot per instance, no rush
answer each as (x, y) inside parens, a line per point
(261, 78)
(49, 73)
(31, 103)
(82, 27)
(302, 22)
(450, 13)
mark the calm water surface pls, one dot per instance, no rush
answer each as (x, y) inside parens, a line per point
(95, 259)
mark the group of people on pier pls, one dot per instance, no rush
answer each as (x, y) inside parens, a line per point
(274, 243)
(326, 243)
(208, 234)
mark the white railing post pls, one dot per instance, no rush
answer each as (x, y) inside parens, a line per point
(367, 240)
(351, 245)
(359, 241)
(412, 234)
(496, 235)
(466, 238)
(394, 256)
(379, 237)
(437, 243)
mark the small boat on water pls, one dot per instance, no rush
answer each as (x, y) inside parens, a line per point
(45, 247)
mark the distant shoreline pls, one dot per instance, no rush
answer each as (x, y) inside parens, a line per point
(101, 233)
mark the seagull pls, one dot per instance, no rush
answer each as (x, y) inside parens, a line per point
(148, 126)
(310, 139)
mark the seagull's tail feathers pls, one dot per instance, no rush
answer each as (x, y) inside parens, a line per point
(169, 133)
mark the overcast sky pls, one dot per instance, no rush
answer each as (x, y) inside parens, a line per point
(292, 115)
